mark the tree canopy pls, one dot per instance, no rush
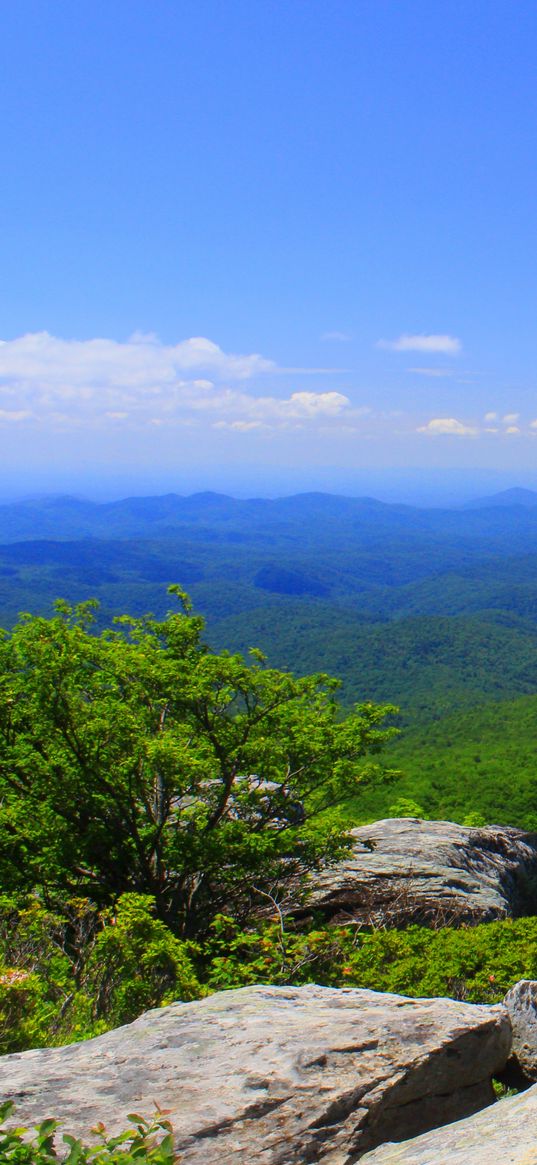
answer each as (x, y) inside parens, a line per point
(136, 759)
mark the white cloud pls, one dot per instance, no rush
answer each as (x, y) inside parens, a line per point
(510, 418)
(314, 404)
(490, 418)
(513, 430)
(336, 337)
(137, 361)
(444, 344)
(447, 426)
(142, 381)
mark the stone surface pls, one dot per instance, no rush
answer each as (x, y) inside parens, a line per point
(274, 1075)
(521, 1005)
(505, 1134)
(406, 870)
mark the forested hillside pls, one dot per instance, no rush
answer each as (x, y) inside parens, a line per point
(432, 610)
(475, 766)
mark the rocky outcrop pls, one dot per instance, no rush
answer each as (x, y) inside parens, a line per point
(521, 1006)
(433, 872)
(505, 1134)
(274, 1075)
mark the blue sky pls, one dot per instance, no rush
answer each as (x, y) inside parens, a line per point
(267, 245)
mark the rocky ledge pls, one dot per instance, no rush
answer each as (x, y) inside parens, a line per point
(275, 1075)
(436, 873)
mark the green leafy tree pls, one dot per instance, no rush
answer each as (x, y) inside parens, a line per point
(137, 760)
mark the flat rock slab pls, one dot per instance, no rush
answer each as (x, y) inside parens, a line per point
(505, 1134)
(274, 1075)
(404, 870)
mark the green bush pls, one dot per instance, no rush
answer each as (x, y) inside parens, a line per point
(65, 978)
(146, 1143)
(478, 964)
(76, 972)
(137, 963)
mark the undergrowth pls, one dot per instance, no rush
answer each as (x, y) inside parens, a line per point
(147, 1142)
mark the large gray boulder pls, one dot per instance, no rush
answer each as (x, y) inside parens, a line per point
(406, 870)
(505, 1134)
(521, 1005)
(274, 1075)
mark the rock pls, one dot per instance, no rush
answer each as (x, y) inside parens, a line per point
(431, 872)
(274, 1075)
(521, 1005)
(505, 1134)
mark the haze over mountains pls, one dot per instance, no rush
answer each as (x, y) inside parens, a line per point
(67, 516)
(507, 497)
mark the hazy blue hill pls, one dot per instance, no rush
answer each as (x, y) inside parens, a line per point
(507, 497)
(277, 580)
(391, 581)
(321, 522)
(63, 517)
(383, 560)
(157, 516)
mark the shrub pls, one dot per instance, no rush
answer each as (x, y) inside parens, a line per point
(146, 1143)
(478, 964)
(68, 978)
(73, 974)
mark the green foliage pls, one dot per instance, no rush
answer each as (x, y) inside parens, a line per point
(406, 807)
(478, 964)
(503, 1091)
(58, 984)
(477, 767)
(148, 1142)
(136, 963)
(271, 953)
(429, 665)
(70, 975)
(136, 760)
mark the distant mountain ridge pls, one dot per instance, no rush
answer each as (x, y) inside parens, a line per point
(69, 517)
(299, 515)
(507, 497)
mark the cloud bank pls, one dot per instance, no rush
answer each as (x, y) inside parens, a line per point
(127, 390)
(143, 381)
